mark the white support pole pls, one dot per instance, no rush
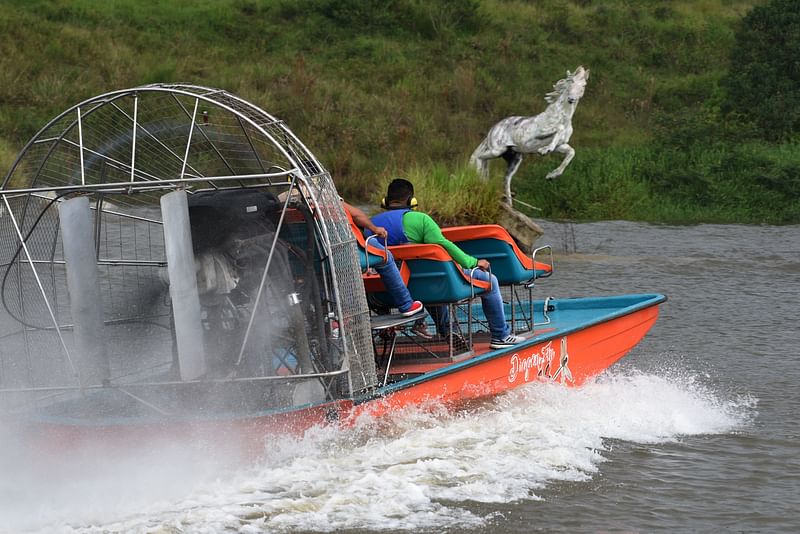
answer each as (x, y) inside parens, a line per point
(133, 143)
(75, 219)
(183, 285)
(80, 146)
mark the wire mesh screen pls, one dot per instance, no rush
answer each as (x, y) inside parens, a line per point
(156, 133)
(20, 287)
(34, 295)
(124, 150)
(350, 287)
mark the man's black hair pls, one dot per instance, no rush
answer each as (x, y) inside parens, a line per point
(399, 190)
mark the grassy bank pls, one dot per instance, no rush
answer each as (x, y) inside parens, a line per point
(754, 182)
(380, 88)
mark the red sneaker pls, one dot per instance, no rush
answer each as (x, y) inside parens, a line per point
(415, 308)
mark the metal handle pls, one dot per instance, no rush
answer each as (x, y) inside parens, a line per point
(385, 251)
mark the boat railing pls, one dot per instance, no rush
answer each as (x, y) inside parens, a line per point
(516, 271)
(532, 283)
(542, 273)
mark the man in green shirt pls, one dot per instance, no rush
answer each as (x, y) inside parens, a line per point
(404, 224)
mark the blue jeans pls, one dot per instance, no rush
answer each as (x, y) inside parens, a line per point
(491, 303)
(390, 276)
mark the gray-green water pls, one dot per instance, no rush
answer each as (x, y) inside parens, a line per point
(730, 328)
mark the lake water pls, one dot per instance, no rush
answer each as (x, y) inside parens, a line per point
(696, 430)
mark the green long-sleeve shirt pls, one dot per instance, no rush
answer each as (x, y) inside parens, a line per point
(421, 228)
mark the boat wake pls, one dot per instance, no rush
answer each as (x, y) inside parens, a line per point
(420, 469)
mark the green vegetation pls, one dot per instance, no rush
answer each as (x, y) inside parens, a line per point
(381, 88)
(762, 83)
(452, 196)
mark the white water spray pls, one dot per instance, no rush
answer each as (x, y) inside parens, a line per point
(419, 469)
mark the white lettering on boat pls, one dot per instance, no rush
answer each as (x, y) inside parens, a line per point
(539, 361)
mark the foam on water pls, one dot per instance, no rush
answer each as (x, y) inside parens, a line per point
(419, 469)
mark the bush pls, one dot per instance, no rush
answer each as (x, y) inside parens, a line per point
(763, 83)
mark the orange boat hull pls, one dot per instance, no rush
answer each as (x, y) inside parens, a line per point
(591, 351)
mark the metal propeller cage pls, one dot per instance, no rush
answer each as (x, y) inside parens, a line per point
(123, 151)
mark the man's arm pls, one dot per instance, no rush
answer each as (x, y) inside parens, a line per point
(421, 228)
(362, 221)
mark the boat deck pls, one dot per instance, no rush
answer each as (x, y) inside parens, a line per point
(413, 354)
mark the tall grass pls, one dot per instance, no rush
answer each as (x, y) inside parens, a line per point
(450, 196)
(379, 88)
(753, 182)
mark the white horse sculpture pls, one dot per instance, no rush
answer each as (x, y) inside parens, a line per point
(544, 133)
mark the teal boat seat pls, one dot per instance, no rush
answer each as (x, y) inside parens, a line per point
(434, 277)
(493, 242)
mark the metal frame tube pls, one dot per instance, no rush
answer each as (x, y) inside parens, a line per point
(284, 378)
(80, 142)
(189, 139)
(133, 143)
(263, 282)
(124, 187)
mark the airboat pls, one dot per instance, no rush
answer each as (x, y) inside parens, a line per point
(176, 262)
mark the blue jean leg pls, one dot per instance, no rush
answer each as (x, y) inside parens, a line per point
(440, 315)
(390, 276)
(492, 304)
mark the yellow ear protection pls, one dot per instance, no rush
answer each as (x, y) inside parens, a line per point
(412, 203)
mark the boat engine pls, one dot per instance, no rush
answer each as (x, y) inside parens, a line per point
(232, 236)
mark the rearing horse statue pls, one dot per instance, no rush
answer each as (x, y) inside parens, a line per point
(546, 132)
